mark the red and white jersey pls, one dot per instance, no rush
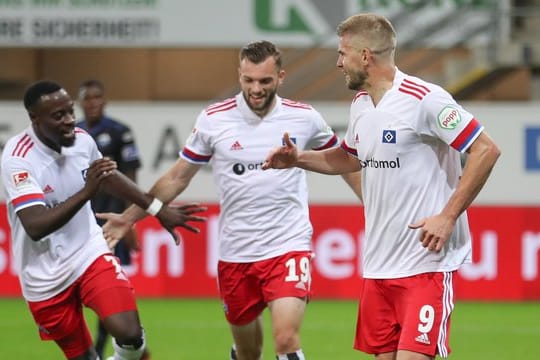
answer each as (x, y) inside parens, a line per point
(263, 213)
(409, 147)
(33, 174)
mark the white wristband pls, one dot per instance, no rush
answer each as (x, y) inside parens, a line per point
(154, 207)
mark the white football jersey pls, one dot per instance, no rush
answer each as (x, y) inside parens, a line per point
(34, 174)
(409, 147)
(263, 213)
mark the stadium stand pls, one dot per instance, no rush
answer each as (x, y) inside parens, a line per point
(443, 48)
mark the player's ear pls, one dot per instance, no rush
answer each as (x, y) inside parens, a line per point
(281, 76)
(32, 115)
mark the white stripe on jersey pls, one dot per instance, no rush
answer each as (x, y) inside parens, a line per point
(448, 307)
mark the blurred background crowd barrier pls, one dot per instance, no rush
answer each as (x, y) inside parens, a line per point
(153, 50)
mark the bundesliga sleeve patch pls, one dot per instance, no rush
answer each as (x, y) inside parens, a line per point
(20, 178)
(449, 118)
(191, 138)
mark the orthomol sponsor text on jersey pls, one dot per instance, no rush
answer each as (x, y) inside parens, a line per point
(380, 164)
(240, 168)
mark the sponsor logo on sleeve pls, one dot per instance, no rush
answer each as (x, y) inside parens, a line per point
(449, 118)
(20, 178)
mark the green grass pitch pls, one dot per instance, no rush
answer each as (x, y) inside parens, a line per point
(195, 329)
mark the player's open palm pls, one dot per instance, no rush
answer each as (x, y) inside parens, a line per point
(282, 157)
(115, 227)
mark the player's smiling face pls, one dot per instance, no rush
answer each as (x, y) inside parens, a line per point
(259, 83)
(53, 120)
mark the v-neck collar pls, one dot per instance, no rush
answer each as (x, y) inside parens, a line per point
(249, 115)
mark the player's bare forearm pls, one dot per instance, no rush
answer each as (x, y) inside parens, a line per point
(436, 229)
(122, 187)
(166, 188)
(354, 180)
(40, 221)
(334, 161)
(174, 181)
(483, 155)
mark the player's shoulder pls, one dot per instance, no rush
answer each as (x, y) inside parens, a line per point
(299, 110)
(79, 131)
(361, 96)
(221, 107)
(293, 105)
(83, 137)
(416, 88)
(18, 146)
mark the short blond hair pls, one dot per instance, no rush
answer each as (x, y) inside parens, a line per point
(373, 30)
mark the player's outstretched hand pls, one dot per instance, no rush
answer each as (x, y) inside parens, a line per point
(282, 157)
(172, 216)
(115, 227)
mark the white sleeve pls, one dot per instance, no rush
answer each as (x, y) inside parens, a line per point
(198, 148)
(88, 140)
(349, 140)
(19, 179)
(323, 137)
(442, 117)
(94, 152)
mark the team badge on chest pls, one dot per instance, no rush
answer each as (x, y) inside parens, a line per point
(389, 136)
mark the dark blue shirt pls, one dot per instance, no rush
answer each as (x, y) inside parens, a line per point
(115, 141)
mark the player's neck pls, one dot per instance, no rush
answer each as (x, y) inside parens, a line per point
(267, 110)
(384, 82)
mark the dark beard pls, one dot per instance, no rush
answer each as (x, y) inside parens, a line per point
(265, 105)
(357, 83)
(67, 142)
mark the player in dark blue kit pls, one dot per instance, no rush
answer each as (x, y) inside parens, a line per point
(115, 141)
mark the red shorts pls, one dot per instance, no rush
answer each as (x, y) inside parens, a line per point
(246, 288)
(411, 313)
(103, 287)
